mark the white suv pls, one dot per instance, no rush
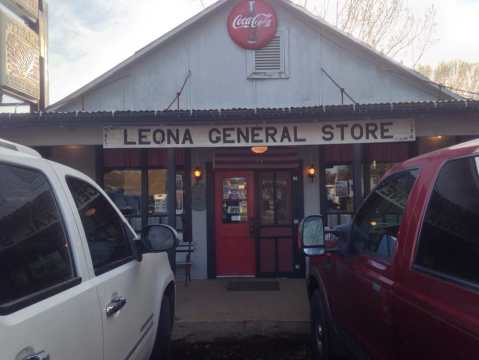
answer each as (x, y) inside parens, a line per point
(75, 280)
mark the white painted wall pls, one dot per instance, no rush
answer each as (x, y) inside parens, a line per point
(219, 77)
(199, 269)
(310, 156)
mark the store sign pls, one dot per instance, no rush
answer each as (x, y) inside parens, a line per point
(19, 58)
(26, 7)
(317, 133)
(252, 24)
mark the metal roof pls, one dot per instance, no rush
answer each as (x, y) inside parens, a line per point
(308, 16)
(293, 114)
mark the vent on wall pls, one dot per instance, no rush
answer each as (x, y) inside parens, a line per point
(268, 58)
(270, 62)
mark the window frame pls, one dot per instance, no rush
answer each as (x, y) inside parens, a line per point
(420, 269)
(283, 73)
(75, 280)
(117, 263)
(371, 255)
(144, 169)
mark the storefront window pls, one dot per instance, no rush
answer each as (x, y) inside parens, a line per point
(124, 188)
(339, 187)
(157, 198)
(377, 171)
(339, 192)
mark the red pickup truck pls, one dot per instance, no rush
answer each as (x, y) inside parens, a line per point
(402, 280)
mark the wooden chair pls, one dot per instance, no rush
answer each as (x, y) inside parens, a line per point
(186, 248)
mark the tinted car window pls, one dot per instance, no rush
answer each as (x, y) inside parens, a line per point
(449, 240)
(34, 252)
(104, 229)
(376, 226)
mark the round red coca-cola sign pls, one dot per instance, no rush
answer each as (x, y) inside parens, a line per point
(252, 24)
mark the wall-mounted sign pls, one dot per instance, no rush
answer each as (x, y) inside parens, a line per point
(19, 58)
(25, 7)
(317, 133)
(252, 24)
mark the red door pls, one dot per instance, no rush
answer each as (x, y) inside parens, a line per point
(234, 212)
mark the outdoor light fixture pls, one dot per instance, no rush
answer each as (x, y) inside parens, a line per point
(438, 138)
(311, 171)
(259, 149)
(197, 174)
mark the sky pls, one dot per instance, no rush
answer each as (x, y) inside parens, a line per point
(89, 37)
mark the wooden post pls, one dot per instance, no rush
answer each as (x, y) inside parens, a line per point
(357, 175)
(171, 200)
(42, 29)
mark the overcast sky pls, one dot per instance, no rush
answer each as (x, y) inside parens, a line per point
(88, 37)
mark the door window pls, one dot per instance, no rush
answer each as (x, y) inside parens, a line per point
(34, 251)
(376, 226)
(275, 198)
(235, 200)
(104, 229)
(449, 240)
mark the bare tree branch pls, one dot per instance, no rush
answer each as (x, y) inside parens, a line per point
(457, 75)
(390, 26)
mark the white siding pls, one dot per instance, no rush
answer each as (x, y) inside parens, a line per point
(219, 74)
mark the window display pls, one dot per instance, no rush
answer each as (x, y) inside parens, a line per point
(377, 171)
(157, 198)
(339, 187)
(235, 200)
(124, 188)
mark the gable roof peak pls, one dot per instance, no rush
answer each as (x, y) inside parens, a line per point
(300, 10)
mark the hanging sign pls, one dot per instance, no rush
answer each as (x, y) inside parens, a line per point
(19, 59)
(24, 7)
(318, 133)
(252, 24)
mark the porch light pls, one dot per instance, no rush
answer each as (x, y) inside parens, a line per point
(438, 138)
(311, 171)
(197, 174)
(258, 150)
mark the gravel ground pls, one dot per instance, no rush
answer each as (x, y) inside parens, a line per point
(257, 348)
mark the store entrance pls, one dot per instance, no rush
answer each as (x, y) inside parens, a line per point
(256, 218)
(234, 218)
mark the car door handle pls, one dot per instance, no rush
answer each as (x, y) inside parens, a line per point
(115, 305)
(39, 356)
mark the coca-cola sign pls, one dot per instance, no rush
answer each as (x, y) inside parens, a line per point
(252, 24)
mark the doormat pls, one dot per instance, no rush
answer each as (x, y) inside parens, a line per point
(252, 285)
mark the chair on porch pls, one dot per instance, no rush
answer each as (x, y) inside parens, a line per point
(186, 248)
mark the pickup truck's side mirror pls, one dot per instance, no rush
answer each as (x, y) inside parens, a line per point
(159, 238)
(311, 235)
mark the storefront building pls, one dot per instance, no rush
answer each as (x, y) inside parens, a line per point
(268, 115)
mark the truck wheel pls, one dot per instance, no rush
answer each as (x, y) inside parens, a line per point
(319, 329)
(162, 347)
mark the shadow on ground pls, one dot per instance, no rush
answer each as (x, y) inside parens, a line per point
(255, 348)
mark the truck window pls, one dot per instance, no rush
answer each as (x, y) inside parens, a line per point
(104, 229)
(34, 254)
(376, 226)
(449, 239)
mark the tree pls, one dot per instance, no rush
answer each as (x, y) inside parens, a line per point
(460, 76)
(389, 26)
